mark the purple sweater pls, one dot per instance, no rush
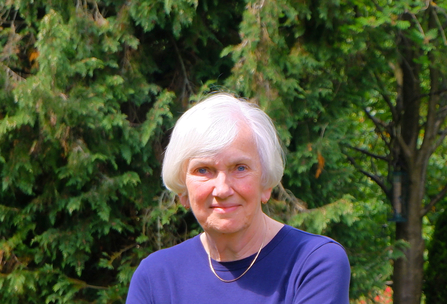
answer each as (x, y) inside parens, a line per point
(295, 267)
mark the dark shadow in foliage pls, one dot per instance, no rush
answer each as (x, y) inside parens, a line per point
(436, 272)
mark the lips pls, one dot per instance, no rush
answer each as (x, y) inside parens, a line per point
(224, 209)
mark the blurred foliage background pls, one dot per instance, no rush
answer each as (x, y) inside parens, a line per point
(91, 89)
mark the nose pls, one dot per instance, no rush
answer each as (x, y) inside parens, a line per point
(222, 186)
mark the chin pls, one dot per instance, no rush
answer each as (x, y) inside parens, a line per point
(225, 227)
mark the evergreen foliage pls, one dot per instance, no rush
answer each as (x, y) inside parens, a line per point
(80, 139)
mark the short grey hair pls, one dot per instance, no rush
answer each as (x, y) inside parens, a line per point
(210, 126)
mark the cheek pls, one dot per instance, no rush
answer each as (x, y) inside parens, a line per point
(198, 191)
(249, 191)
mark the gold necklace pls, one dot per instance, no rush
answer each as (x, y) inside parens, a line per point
(246, 270)
(232, 280)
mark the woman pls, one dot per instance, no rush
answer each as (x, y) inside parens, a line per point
(223, 160)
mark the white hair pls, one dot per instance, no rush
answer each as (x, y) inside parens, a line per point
(210, 126)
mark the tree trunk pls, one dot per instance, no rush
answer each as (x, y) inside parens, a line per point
(408, 270)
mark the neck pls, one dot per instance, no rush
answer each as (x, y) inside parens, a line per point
(231, 247)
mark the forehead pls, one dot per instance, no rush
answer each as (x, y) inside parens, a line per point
(242, 149)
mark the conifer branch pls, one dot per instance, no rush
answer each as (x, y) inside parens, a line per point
(286, 195)
(118, 254)
(83, 284)
(186, 85)
(11, 75)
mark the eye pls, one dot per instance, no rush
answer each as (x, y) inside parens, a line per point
(241, 168)
(202, 170)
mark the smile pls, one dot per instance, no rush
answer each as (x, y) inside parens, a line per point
(224, 209)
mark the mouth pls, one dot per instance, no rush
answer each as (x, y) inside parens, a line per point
(224, 209)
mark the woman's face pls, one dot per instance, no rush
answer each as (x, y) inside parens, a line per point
(224, 191)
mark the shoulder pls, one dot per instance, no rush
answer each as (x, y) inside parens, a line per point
(315, 246)
(171, 255)
(304, 240)
(323, 271)
(160, 267)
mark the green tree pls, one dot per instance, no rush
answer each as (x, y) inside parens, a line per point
(399, 72)
(80, 141)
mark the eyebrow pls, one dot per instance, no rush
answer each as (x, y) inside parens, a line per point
(209, 161)
(198, 162)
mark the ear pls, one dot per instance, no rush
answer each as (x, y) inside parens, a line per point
(265, 195)
(184, 200)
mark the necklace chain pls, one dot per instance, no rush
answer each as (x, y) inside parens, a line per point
(246, 270)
